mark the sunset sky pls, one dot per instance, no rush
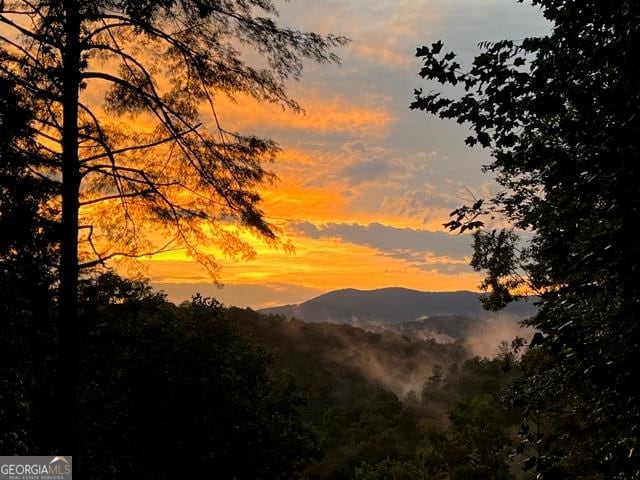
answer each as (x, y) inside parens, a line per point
(364, 183)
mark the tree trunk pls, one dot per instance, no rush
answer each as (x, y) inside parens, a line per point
(68, 321)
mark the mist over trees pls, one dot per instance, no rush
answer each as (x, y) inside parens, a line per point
(559, 115)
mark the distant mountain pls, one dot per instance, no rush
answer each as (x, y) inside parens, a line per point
(395, 306)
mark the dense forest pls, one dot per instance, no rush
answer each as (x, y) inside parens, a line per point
(104, 368)
(252, 396)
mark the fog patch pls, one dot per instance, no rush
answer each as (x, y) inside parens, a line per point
(484, 338)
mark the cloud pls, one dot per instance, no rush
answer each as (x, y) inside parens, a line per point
(357, 164)
(324, 113)
(370, 170)
(391, 240)
(382, 33)
(392, 57)
(320, 264)
(421, 250)
(353, 182)
(427, 204)
(430, 263)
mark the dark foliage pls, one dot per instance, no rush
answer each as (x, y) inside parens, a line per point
(177, 392)
(165, 391)
(28, 255)
(559, 115)
(125, 184)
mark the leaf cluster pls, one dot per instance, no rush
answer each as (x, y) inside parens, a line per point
(559, 115)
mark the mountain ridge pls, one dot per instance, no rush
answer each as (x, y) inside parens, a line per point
(394, 305)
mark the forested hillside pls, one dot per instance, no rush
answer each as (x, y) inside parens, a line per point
(217, 385)
(379, 401)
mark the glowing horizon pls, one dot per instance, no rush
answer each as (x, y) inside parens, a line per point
(364, 183)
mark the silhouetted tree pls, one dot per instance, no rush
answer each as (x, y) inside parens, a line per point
(28, 256)
(158, 62)
(172, 392)
(559, 114)
(27, 220)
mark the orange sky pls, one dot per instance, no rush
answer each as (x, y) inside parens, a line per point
(364, 184)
